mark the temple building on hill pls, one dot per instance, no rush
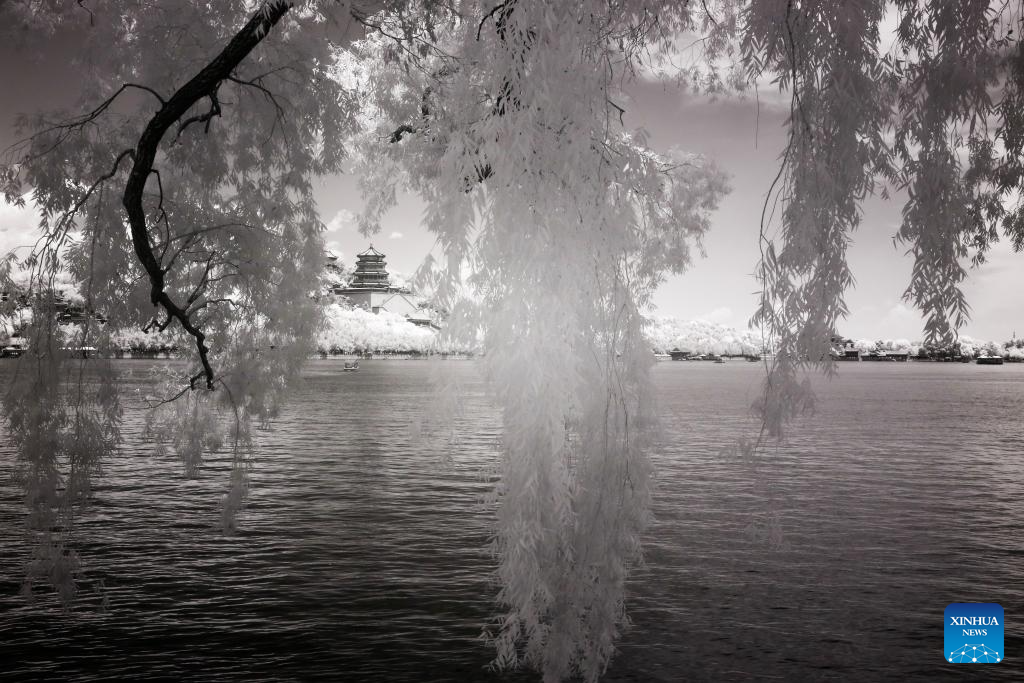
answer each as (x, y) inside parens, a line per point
(370, 288)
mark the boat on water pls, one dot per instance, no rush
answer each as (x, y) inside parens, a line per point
(11, 351)
(989, 360)
(12, 347)
(351, 366)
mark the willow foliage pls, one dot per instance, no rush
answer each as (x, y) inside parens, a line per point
(179, 192)
(930, 113)
(565, 224)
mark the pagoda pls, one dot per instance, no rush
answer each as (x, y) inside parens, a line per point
(371, 272)
(371, 289)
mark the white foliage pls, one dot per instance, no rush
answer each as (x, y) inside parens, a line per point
(667, 333)
(864, 345)
(565, 223)
(352, 330)
(138, 340)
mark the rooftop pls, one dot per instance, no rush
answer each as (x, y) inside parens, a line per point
(370, 252)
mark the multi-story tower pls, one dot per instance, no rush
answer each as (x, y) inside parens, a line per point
(370, 289)
(371, 271)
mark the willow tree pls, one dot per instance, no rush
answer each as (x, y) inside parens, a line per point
(180, 197)
(930, 113)
(508, 124)
(178, 192)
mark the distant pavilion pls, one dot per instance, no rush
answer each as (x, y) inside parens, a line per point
(370, 289)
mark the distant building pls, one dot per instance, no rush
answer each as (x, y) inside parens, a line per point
(333, 272)
(370, 288)
(844, 349)
(888, 356)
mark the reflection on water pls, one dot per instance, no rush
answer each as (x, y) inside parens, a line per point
(360, 555)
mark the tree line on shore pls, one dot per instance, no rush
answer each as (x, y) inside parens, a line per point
(346, 329)
(964, 346)
(353, 330)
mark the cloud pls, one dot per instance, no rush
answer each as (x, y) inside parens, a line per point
(900, 317)
(722, 314)
(992, 290)
(342, 220)
(395, 235)
(18, 226)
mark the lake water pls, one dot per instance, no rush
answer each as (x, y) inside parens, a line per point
(359, 555)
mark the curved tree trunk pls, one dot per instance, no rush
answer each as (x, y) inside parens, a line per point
(203, 85)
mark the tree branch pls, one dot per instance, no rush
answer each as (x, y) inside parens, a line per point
(64, 130)
(500, 7)
(400, 133)
(203, 85)
(257, 83)
(214, 110)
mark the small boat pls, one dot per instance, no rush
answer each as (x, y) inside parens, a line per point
(11, 351)
(989, 360)
(351, 366)
(79, 351)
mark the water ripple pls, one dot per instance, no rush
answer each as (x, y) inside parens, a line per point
(360, 555)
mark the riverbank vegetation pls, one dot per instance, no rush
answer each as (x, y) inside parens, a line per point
(349, 330)
(352, 330)
(345, 330)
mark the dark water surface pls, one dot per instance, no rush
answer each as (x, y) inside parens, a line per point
(359, 556)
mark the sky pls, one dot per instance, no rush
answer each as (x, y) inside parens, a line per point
(743, 135)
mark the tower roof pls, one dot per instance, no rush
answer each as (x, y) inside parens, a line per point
(370, 252)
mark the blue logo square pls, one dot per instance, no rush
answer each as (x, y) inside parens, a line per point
(973, 633)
